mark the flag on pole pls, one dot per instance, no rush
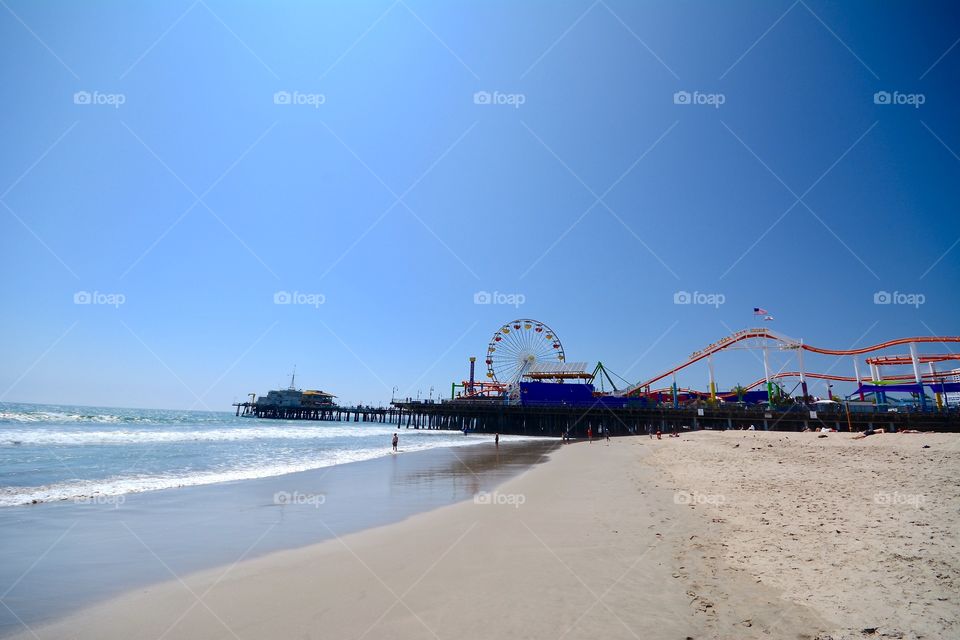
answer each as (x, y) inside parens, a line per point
(758, 311)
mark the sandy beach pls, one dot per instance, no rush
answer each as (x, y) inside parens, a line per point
(866, 532)
(713, 535)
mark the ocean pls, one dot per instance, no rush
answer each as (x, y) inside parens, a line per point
(62, 453)
(130, 497)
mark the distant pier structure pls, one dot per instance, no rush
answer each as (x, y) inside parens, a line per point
(257, 409)
(309, 404)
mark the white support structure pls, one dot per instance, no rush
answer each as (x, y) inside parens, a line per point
(916, 361)
(803, 376)
(933, 381)
(713, 383)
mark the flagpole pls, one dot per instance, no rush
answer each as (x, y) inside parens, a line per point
(803, 376)
(760, 311)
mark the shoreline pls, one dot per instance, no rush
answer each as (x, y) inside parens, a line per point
(106, 549)
(711, 535)
(511, 564)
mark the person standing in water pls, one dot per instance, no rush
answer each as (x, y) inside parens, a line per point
(396, 440)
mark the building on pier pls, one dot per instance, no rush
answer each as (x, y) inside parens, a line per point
(291, 400)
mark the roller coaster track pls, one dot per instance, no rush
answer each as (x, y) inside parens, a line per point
(882, 345)
(933, 377)
(921, 358)
(790, 343)
(837, 378)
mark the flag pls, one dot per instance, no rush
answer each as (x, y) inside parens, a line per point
(757, 311)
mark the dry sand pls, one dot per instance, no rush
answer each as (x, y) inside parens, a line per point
(865, 531)
(600, 543)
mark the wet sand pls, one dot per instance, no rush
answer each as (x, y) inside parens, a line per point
(583, 546)
(90, 552)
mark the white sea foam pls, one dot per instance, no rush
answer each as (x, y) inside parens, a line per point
(57, 417)
(62, 452)
(125, 436)
(121, 485)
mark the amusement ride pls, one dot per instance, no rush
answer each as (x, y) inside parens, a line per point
(527, 351)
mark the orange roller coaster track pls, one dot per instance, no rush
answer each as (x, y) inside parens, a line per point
(796, 374)
(790, 343)
(905, 359)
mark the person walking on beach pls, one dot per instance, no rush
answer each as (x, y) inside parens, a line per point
(496, 440)
(590, 434)
(396, 440)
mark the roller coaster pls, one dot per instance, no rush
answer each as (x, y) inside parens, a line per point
(524, 351)
(941, 381)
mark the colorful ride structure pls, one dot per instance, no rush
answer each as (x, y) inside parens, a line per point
(519, 345)
(878, 385)
(526, 364)
(514, 350)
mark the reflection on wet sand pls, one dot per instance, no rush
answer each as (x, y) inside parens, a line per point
(475, 467)
(466, 471)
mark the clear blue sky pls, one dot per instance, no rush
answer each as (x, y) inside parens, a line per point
(199, 197)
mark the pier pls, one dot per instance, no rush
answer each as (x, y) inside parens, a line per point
(555, 421)
(484, 417)
(332, 413)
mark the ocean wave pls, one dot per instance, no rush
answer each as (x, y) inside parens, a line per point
(56, 417)
(90, 415)
(126, 436)
(101, 490)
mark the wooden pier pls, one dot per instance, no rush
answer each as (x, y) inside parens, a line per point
(495, 417)
(480, 417)
(332, 413)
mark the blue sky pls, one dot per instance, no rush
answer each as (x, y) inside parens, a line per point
(384, 190)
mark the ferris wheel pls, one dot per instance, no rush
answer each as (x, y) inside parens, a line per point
(517, 346)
